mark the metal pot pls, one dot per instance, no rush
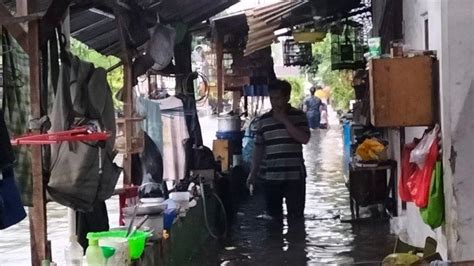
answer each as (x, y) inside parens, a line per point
(228, 124)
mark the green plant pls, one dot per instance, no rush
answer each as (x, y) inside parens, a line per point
(340, 81)
(297, 90)
(114, 77)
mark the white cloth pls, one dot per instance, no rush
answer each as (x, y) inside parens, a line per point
(175, 134)
(324, 117)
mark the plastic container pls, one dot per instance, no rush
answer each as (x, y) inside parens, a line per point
(73, 253)
(121, 255)
(235, 137)
(168, 218)
(94, 254)
(136, 242)
(228, 123)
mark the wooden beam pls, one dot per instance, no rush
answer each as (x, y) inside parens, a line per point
(16, 20)
(16, 30)
(37, 214)
(219, 42)
(54, 15)
(128, 101)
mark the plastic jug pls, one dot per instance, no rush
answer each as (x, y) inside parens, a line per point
(73, 253)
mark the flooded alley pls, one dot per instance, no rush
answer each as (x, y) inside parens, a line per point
(322, 238)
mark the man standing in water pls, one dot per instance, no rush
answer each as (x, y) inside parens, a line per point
(311, 106)
(280, 135)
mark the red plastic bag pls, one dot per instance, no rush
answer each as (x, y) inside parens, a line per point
(419, 182)
(408, 169)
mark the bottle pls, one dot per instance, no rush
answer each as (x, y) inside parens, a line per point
(73, 252)
(94, 254)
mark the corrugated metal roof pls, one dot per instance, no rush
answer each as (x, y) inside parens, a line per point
(263, 21)
(99, 31)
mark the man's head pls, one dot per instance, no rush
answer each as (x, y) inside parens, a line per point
(280, 92)
(312, 90)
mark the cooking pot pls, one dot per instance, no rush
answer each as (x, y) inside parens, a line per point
(228, 124)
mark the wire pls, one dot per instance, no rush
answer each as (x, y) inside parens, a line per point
(204, 206)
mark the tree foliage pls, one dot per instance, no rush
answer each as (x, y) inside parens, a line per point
(340, 81)
(114, 77)
(297, 90)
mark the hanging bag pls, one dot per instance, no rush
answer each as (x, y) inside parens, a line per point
(433, 214)
(424, 156)
(408, 169)
(11, 207)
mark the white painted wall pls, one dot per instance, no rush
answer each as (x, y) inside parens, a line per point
(451, 31)
(458, 100)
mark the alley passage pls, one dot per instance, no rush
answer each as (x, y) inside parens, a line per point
(322, 238)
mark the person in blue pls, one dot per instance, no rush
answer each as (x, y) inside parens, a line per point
(311, 106)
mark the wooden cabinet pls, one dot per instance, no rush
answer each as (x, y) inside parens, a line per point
(402, 92)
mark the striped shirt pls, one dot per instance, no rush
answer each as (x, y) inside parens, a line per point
(283, 159)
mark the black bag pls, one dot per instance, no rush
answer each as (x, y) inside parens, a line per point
(11, 207)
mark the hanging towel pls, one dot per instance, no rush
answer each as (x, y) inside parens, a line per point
(175, 135)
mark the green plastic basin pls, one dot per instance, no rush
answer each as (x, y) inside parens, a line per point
(136, 242)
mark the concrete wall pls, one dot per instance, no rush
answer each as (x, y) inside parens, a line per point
(415, 12)
(451, 33)
(458, 127)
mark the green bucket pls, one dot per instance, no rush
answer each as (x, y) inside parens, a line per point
(136, 242)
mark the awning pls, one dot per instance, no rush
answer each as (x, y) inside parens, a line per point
(263, 21)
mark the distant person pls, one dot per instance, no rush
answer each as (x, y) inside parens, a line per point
(324, 116)
(311, 106)
(280, 135)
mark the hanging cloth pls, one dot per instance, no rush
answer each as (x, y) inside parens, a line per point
(175, 135)
(16, 107)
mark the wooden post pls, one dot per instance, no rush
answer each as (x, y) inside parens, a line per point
(128, 101)
(182, 54)
(220, 70)
(37, 214)
(40, 249)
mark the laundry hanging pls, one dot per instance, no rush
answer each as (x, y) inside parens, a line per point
(16, 107)
(175, 135)
(11, 207)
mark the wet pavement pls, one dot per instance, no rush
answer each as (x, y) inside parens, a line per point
(322, 238)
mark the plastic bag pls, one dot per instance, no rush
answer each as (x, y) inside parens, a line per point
(419, 154)
(419, 182)
(370, 149)
(408, 169)
(433, 214)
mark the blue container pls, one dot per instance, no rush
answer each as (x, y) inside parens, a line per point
(235, 137)
(168, 218)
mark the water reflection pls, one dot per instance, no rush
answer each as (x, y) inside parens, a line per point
(321, 238)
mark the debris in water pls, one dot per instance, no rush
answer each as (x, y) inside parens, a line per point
(240, 214)
(230, 248)
(264, 217)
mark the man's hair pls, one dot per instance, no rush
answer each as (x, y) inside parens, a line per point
(312, 90)
(280, 85)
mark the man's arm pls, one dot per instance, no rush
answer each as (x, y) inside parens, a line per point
(297, 133)
(258, 152)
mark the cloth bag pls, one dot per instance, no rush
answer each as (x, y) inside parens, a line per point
(433, 214)
(82, 173)
(11, 207)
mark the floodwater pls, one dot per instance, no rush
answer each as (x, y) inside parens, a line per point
(322, 238)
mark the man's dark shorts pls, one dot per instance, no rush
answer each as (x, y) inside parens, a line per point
(293, 191)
